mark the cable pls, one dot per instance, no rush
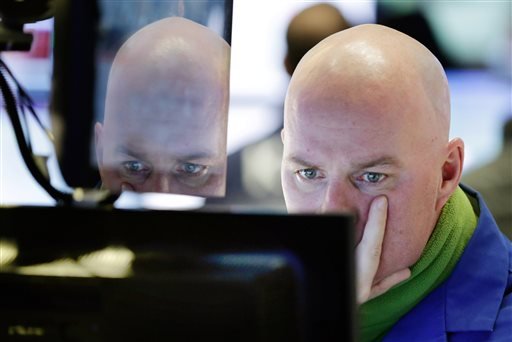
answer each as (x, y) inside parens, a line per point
(26, 101)
(25, 148)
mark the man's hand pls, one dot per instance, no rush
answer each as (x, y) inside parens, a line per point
(368, 253)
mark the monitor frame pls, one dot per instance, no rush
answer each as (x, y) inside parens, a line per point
(318, 248)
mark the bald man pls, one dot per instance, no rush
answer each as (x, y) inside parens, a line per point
(367, 118)
(165, 124)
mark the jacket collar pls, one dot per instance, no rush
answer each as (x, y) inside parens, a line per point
(469, 300)
(475, 289)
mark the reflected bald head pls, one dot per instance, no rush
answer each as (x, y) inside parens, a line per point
(165, 125)
(173, 65)
(372, 70)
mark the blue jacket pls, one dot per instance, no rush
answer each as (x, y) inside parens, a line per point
(475, 302)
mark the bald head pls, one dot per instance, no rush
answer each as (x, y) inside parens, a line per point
(166, 111)
(367, 114)
(172, 63)
(373, 69)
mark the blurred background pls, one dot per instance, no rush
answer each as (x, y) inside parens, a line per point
(472, 39)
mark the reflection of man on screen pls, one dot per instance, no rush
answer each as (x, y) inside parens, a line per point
(366, 131)
(166, 110)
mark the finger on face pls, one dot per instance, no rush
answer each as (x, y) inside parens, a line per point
(369, 249)
(373, 234)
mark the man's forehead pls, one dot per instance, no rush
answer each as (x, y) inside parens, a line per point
(167, 128)
(320, 118)
(151, 84)
(309, 137)
(184, 108)
(338, 99)
(182, 152)
(148, 149)
(375, 72)
(348, 156)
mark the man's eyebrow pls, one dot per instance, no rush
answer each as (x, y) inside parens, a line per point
(204, 154)
(300, 161)
(198, 155)
(128, 151)
(381, 161)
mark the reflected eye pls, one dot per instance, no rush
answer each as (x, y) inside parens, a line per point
(372, 177)
(135, 170)
(192, 169)
(308, 173)
(193, 175)
(134, 166)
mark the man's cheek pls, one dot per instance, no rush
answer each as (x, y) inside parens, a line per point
(398, 226)
(290, 189)
(298, 202)
(112, 179)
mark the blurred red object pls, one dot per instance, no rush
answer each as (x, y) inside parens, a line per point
(41, 44)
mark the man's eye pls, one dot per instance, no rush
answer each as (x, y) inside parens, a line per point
(135, 166)
(372, 177)
(135, 171)
(308, 173)
(192, 169)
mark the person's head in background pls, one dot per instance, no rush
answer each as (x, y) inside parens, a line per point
(309, 27)
(367, 114)
(507, 131)
(165, 123)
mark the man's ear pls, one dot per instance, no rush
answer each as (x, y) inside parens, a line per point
(451, 171)
(98, 141)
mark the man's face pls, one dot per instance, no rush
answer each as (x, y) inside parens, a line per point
(165, 122)
(339, 155)
(164, 145)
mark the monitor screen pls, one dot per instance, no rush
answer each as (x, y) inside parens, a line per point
(130, 275)
(141, 91)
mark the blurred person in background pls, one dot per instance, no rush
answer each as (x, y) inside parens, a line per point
(409, 18)
(494, 181)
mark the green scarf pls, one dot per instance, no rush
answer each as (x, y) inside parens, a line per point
(453, 230)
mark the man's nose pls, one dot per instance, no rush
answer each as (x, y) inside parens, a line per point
(162, 183)
(340, 197)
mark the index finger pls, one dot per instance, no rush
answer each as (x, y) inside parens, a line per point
(369, 250)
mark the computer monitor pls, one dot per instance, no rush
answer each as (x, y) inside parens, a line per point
(186, 276)
(174, 121)
(160, 96)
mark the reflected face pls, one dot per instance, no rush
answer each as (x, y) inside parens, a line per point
(339, 156)
(165, 121)
(169, 156)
